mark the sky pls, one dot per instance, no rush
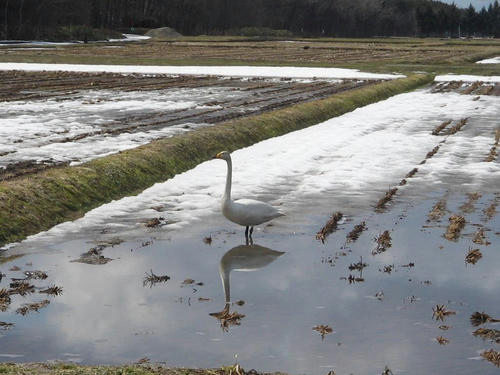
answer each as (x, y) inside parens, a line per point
(478, 4)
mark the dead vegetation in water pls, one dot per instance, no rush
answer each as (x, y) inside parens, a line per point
(21, 287)
(5, 326)
(479, 318)
(383, 242)
(490, 211)
(93, 256)
(440, 127)
(492, 356)
(440, 312)
(330, 227)
(468, 206)
(53, 290)
(358, 266)
(323, 330)
(438, 211)
(430, 154)
(492, 156)
(442, 340)
(492, 335)
(227, 318)
(354, 234)
(455, 226)
(473, 256)
(480, 238)
(381, 204)
(155, 222)
(151, 279)
(4, 299)
(29, 307)
(353, 279)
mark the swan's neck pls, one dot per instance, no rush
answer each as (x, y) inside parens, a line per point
(229, 177)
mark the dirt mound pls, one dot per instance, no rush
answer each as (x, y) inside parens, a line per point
(163, 33)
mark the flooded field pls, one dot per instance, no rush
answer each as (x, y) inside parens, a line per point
(387, 258)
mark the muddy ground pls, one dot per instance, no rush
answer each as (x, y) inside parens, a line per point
(254, 96)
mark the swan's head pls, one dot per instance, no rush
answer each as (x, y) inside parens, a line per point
(223, 155)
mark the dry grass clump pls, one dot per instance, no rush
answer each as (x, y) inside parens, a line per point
(26, 308)
(151, 279)
(380, 206)
(323, 330)
(21, 287)
(5, 325)
(52, 290)
(456, 225)
(358, 266)
(227, 318)
(383, 243)
(488, 334)
(438, 211)
(479, 318)
(479, 237)
(469, 205)
(330, 227)
(493, 151)
(492, 356)
(439, 128)
(473, 256)
(439, 312)
(491, 210)
(354, 234)
(456, 128)
(430, 154)
(353, 279)
(442, 340)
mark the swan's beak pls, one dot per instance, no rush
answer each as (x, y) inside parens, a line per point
(217, 156)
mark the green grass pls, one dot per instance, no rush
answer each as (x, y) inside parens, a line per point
(37, 202)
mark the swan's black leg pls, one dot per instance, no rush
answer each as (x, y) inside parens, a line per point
(246, 232)
(251, 231)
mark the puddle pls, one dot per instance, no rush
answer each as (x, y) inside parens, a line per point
(110, 313)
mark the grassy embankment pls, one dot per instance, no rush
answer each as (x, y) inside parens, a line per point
(73, 369)
(35, 203)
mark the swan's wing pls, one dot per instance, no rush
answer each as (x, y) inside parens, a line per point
(255, 212)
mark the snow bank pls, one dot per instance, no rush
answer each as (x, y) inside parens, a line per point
(345, 163)
(494, 60)
(466, 78)
(230, 71)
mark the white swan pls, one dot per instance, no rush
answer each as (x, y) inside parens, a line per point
(246, 212)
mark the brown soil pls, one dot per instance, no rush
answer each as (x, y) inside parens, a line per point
(261, 96)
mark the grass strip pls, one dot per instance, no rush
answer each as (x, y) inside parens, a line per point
(37, 202)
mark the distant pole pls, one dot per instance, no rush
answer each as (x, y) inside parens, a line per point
(459, 31)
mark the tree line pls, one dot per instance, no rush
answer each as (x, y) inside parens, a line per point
(38, 19)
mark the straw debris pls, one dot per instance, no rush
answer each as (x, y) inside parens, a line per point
(380, 206)
(456, 225)
(356, 232)
(438, 211)
(330, 227)
(442, 340)
(479, 318)
(469, 205)
(488, 334)
(28, 307)
(151, 279)
(440, 312)
(439, 128)
(480, 238)
(456, 128)
(6, 326)
(492, 356)
(323, 330)
(473, 256)
(227, 318)
(383, 243)
(52, 290)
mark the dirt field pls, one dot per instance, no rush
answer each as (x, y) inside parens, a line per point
(380, 54)
(243, 98)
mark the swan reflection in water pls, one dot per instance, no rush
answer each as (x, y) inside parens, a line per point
(247, 258)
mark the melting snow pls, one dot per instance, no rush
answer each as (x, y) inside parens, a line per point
(466, 78)
(493, 60)
(230, 71)
(345, 163)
